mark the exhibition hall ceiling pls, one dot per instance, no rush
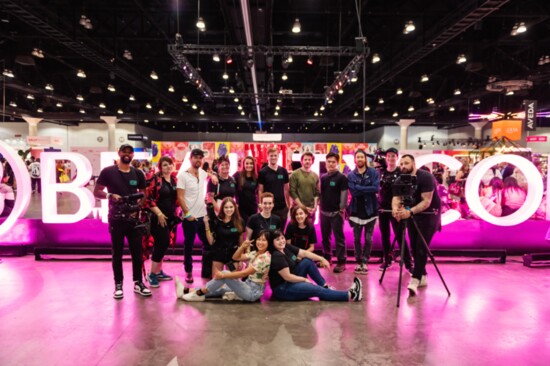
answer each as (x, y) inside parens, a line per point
(308, 66)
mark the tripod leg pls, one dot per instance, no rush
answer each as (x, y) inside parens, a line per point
(401, 260)
(384, 261)
(430, 255)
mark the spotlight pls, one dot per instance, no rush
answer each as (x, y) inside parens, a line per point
(461, 59)
(316, 114)
(30, 96)
(375, 58)
(236, 100)
(355, 114)
(228, 59)
(38, 53)
(148, 106)
(296, 27)
(8, 73)
(82, 111)
(59, 105)
(424, 78)
(154, 75)
(284, 77)
(457, 92)
(451, 109)
(411, 109)
(216, 57)
(395, 114)
(111, 88)
(80, 98)
(102, 105)
(289, 58)
(309, 60)
(171, 89)
(367, 108)
(477, 101)
(340, 91)
(127, 55)
(399, 91)
(81, 74)
(521, 28)
(381, 101)
(82, 20)
(409, 27)
(161, 111)
(242, 113)
(201, 25)
(39, 110)
(225, 76)
(120, 111)
(13, 104)
(231, 90)
(194, 106)
(510, 92)
(132, 98)
(322, 108)
(184, 99)
(49, 87)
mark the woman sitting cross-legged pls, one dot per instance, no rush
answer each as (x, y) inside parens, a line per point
(289, 271)
(225, 282)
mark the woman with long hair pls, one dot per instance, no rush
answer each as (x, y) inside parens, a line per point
(513, 196)
(225, 187)
(247, 188)
(228, 284)
(224, 234)
(161, 200)
(289, 271)
(300, 232)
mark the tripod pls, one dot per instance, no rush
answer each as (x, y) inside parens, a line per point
(401, 259)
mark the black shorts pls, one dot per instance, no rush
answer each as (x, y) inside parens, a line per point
(223, 255)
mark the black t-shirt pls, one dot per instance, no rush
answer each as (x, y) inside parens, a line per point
(281, 261)
(386, 181)
(121, 183)
(247, 194)
(274, 182)
(425, 182)
(258, 223)
(226, 235)
(301, 238)
(224, 188)
(331, 187)
(167, 198)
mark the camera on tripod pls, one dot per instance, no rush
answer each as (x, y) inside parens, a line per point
(380, 159)
(405, 187)
(126, 207)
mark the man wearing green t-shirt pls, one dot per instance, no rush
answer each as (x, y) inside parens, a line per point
(304, 185)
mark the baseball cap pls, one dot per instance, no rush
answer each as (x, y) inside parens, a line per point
(126, 146)
(197, 152)
(392, 150)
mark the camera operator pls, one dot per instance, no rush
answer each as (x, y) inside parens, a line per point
(424, 204)
(389, 171)
(123, 183)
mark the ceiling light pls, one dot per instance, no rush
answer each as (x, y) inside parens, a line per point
(216, 57)
(510, 92)
(399, 91)
(82, 111)
(409, 27)
(430, 101)
(451, 109)
(201, 112)
(353, 78)
(236, 100)
(40, 110)
(395, 114)
(111, 88)
(372, 122)
(13, 104)
(146, 120)
(37, 52)
(30, 96)
(296, 27)
(228, 59)
(289, 59)
(276, 113)
(424, 78)
(8, 73)
(49, 87)
(284, 77)
(161, 111)
(521, 28)
(81, 74)
(59, 105)
(340, 91)
(132, 98)
(367, 108)
(154, 75)
(148, 106)
(309, 60)
(79, 97)
(127, 55)
(201, 25)
(231, 90)
(82, 20)
(102, 105)
(461, 59)
(330, 101)
(381, 101)
(242, 113)
(171, 89)
(316, 114)
(120, 111)
(184, 99)
(322, 108)
(240, 107)
(225, 76)
(355, 114)
(375, 58)
(277, 107)
(88, 24)
(457, 92)
(411, 109)
(477, 101)
(194, 106)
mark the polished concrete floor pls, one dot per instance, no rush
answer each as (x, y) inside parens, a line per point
(61, 312)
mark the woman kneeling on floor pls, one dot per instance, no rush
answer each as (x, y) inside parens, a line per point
(228, 284)
(290, 267)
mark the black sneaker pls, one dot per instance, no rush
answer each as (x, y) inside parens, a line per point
(118, 294)
(409, 268)
(340, 267)
(140, 288)
(356, 290)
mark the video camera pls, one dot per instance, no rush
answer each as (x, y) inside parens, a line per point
(126, 207)
(379, 159)
(405, 187)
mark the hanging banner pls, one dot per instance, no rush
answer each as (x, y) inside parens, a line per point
(530, 115)
(507, 128)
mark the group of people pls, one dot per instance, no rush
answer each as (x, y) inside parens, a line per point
(241, 243)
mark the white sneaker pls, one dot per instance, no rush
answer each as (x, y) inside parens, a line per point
(193, 297)
(413, 286)
(423, 281)
(231, 296)
(179, 288)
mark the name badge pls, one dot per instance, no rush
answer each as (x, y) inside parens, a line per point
(272, 227)
(332, 184)
(133, 182)
(252, 184)
(280, 176)
(232, 185)
(294, 258)
(233, 229)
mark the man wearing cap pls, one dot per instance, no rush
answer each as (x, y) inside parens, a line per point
(363, 184)
(122, 180)
(191, 190)
(388, 177)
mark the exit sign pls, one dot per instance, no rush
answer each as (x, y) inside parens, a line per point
(537, 138)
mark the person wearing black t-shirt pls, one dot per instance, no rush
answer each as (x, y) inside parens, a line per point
(274, 179)
(122, 180)
(289, 271)
(264, 220)
(334, 198)
(225, 234)
(427, 215)
(225, 187)
(247, 188)
(300, 232)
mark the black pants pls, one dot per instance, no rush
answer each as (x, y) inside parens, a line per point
(283, 215)
(385, 219)
(35, 185)
(119, 230)
(334, 224)
(162, 239)
(428, 225)
(190, 230)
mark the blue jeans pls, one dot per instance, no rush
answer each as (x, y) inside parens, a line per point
(247, 290)
(190, 230)
(293, 291)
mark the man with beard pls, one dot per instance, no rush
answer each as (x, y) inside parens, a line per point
(191, 195)
(122, 180)
(304, 185)
(274, 179)
(388, 177)
(425, 200)
(363, 183)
